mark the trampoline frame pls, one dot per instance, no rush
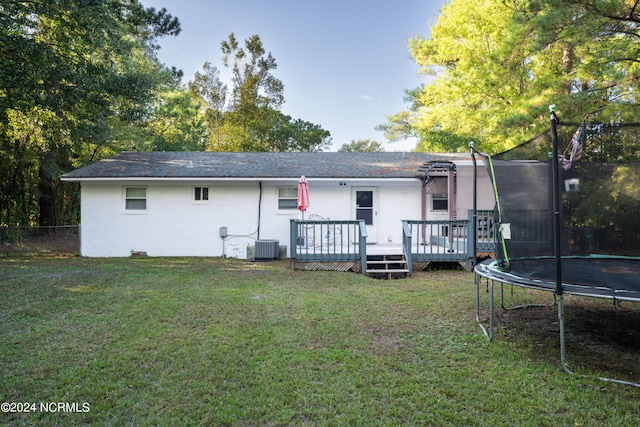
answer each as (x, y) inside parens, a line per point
(559, 288)
(484, 270)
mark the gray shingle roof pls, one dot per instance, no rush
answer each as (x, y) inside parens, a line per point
(260, 165)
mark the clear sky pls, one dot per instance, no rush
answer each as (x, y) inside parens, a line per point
(344, 64)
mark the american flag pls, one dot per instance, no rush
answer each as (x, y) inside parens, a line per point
(574, 149)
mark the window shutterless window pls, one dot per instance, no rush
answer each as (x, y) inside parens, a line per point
(135, 199)
(440, 204)
(201, 194)
(288, 198)
(439, 193)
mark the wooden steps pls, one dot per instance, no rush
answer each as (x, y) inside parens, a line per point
(388, 266)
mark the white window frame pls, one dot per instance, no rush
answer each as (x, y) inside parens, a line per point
(126, 197)
(279, 198)
(200, 191)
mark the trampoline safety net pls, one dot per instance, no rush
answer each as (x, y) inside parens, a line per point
(599, 180)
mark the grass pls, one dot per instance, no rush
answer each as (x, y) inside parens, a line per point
(199, 341)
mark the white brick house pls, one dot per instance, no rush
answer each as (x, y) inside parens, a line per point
(183, 203)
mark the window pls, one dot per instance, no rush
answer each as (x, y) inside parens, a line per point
(364, 206)
(287, 198)
(201, 194)
(440, 204)
(439, 193)
(135, 199)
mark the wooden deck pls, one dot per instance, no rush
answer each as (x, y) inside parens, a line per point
(373, 250)
(342, 245)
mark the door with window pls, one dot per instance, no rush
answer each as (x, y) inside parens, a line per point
(366, 208)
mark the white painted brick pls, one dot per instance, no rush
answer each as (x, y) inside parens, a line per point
(174, 225)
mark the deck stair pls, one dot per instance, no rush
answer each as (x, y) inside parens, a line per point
(387, 266)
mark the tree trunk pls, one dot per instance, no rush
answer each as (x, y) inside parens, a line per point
(567, 63)
(47, 195)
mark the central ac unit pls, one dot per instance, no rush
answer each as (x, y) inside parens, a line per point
(267, 250)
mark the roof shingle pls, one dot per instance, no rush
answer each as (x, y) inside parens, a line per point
(260, 165)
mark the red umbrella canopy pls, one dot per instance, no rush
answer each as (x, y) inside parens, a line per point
(303, 194)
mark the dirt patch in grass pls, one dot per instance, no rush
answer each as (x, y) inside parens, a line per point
(599, 335)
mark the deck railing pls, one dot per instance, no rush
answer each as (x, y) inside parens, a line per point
(429, 241)
(328, 240)
(438, 241)
(486, 230)
(447, 240)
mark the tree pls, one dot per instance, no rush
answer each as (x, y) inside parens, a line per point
(593, 46)
(177, 123)
(499, 64)
(362, 146)
(247, 117)
(470, 88)
(253, 83)
(209, 87)
(255, 94)
(289, 134)
(72, 74)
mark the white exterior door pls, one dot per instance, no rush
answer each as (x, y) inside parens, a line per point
(365, 202)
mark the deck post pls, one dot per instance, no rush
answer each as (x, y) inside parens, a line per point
(293, 235)
(406, 245)
(363, 246)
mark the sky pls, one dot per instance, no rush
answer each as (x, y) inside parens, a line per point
(344, 64)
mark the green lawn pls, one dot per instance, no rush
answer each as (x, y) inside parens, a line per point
(200, 341)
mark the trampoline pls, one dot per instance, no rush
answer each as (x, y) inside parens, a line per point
(592, 276)
(568, 222)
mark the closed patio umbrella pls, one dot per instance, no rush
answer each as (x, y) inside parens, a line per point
(303, 195)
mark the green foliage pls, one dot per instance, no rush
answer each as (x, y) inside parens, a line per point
(441, 141)
(177, 125)
(498, 64)
(288, 134)
(471, 87)
(609, 199)
(362, 146)
(253, 81)
(248, 117)
(77, 82)
(591, 47)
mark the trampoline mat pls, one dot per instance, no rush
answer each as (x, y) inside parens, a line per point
(595, 276)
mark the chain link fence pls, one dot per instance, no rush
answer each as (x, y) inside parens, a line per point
(39, 240)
